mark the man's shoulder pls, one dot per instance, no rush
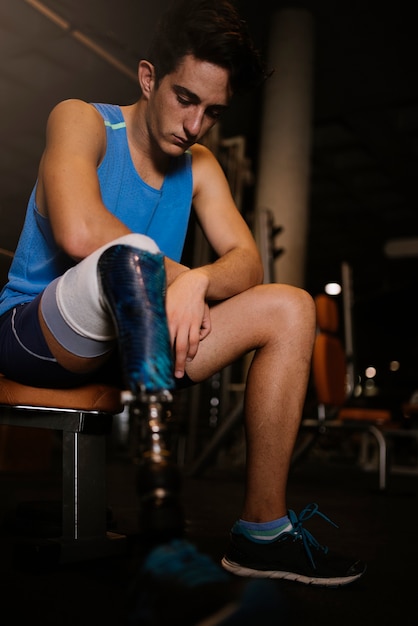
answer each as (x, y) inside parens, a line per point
(204, 162)
(201, 155)
(73, 109)
(72, 104)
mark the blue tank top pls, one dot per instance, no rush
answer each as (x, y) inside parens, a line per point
(162, 214)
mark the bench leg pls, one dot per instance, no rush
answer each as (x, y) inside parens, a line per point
(84, 520)
(84, 486)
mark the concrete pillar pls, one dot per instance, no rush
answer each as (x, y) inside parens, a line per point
(284, 159)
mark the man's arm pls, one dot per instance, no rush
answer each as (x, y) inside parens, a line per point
(237, 268)
(238, 265)
(68, 189)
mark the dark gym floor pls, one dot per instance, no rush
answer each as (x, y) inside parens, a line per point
(380, 528)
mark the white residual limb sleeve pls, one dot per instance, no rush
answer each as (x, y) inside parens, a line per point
(79, 297)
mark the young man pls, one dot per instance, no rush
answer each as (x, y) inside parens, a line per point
(109, 213)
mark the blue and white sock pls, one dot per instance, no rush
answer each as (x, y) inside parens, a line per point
(263, 532)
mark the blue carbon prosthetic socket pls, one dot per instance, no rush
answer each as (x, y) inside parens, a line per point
(134, 283)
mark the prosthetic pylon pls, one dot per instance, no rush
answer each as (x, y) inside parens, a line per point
(133, 284)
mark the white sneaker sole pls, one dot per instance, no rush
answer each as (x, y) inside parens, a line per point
(239, 570)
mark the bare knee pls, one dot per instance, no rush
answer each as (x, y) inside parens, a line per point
(299, 304)
(290, 310)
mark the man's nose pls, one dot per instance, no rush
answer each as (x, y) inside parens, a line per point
(193, 123)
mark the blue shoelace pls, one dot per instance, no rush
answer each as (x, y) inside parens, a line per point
(299, 532)
(181, 561)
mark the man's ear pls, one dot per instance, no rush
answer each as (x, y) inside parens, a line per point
(146, 76)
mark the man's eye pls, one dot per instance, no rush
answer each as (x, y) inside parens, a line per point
(215, 114)
(183, 101)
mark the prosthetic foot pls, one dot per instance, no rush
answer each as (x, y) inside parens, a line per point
(133, 284)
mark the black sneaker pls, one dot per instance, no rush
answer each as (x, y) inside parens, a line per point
(180, 586)
(295, 555)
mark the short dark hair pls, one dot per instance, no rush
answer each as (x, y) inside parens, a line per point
(212, 31)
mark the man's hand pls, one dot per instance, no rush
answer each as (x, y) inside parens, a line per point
(188, 316)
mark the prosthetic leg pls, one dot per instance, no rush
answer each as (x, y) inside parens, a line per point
(133, 284)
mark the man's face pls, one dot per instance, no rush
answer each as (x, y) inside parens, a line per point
(187, 103)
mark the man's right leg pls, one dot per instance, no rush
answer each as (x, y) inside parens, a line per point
(117, 295)
(75, 319)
